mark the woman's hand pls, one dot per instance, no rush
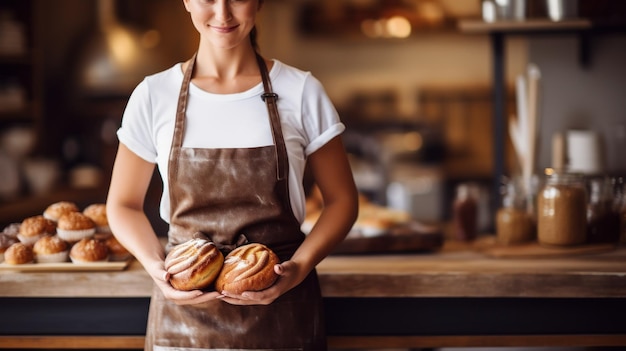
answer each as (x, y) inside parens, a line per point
(161, 279)
(289, 275)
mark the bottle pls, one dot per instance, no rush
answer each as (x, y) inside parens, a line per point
(603, 218)
(514, 224)
(562, 209)
(465, 213)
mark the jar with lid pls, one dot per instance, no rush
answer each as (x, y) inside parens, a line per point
(465, 212)
(514, 223)
(562, 209)
(603, 218)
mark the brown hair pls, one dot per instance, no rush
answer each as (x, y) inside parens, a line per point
(253, 38)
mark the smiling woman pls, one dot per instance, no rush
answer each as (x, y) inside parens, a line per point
(231, 133)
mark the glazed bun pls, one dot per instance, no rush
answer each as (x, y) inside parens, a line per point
(58, 209)
(193, 264)
(19, 253)
(89, 250)
(75, 226)
(248, 268)
(33, 228)
(51, 249)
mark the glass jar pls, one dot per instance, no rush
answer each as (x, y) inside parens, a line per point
(514, 223)
(562, 209)
(603, 217)
(465, 212)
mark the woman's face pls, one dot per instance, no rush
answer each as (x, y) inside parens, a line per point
(224, 23)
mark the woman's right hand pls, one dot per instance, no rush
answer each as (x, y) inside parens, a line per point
(161, 279)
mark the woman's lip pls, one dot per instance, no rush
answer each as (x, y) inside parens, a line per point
(223, 29)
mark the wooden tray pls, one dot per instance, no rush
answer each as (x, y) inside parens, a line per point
(490, 247)
(66, 266)
(409, 237)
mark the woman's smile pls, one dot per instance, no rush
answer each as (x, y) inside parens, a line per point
(224, 29)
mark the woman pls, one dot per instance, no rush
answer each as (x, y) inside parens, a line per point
(231, 141)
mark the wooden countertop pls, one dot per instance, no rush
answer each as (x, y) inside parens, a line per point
(457, 270)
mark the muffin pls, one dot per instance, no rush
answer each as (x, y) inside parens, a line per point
(12, 230)
(89, 250)
(57, 210)
(51, 249)
(33, 228)
(5, 242)
(75, 226)
(19, 253)
(98, 214)
(117, 252)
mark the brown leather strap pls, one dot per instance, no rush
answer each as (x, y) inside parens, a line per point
(179, 124)
(270, 99)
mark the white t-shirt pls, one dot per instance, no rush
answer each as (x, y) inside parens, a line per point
(308, 119)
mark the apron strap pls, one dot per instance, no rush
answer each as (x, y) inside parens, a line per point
(179, 124)
(282, 164)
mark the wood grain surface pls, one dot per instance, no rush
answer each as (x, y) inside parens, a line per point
(456, 270)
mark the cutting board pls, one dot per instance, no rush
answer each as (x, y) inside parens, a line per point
(491, 248)
(407, 237)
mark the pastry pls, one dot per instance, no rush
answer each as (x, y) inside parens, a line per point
(12, 230)
(19, 253)
(57, 210)
(247, 268)
(51, 249)
(75, 226)
(5, 242)
(193, 264)
(98, 214)
(117, 252)
(89, 250)
(33, 228)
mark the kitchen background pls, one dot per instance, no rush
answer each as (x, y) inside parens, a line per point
(417, 97)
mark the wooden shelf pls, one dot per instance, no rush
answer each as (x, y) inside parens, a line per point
(523, 27)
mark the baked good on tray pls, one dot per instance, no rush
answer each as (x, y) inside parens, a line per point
(5, 242)
(117, 252)
(12, 230)
(98, 214)
(33, 228)
(74, 226)
(19, 253)
(193, 264)
(51, 249)
(247, 268)
(89, 250)
(58, 209)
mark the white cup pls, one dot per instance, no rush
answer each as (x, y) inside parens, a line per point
(559, 10)
(584, 152)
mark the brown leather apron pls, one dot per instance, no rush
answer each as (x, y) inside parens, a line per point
(234, 196)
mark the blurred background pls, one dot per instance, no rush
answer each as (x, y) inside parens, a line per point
(415, 90)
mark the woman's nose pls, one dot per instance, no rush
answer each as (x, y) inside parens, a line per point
(222, 11)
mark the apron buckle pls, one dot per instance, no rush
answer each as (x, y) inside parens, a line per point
(269, 96)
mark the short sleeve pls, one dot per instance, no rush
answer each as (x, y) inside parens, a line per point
(320, 118)
(136, 131)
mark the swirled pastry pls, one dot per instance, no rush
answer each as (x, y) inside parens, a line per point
(193, 264)
(248, 268)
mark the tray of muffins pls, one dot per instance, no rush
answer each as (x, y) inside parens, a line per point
(63, 238)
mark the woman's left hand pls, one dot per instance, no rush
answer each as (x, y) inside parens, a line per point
(289, 276)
